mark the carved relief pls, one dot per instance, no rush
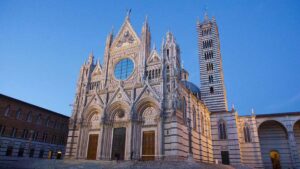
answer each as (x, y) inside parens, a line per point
(149, 116)
(120, 116)
(95, 121)
(125, 40)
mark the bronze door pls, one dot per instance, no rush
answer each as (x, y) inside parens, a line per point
(118, 146)
(148, 149)
(92, 147)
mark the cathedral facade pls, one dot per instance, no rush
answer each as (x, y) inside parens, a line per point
(139, 105)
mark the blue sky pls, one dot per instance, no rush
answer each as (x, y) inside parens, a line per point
(44, 43)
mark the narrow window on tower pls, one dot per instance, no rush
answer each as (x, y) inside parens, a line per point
(210, 78)
(211, 89)
(222, 130)
(210, 66)
(168, 52)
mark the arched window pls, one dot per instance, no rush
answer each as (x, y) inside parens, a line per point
(38, 120)
(29, 117)
(7, 110)
(194, 119)
(18, 115)
(184, 110)
(222, 130)
(48, 122)
(247, 134)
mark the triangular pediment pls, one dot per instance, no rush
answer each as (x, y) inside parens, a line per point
(119, 95)
(97, 70)
(148, 91)
(126, 37)
(154, 57)
(95, 100)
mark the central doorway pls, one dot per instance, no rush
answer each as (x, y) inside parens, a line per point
(118, 145)
(148, 149)
(225, 157)
(92, 147)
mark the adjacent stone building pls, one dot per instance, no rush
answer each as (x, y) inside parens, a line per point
(29, 131)
(139, 104)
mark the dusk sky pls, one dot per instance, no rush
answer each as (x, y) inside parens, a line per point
(44, 43)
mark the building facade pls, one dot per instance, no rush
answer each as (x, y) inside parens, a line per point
(29, 131)
(139, 104)
(136, 105)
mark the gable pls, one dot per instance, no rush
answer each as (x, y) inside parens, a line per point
(154, 57)
(126, 37)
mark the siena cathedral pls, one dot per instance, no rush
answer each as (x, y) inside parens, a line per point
(140, 105)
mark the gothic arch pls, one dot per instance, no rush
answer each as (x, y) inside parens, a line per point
(115, 107)
(268, 120)
(145, 103)
(296, 130)
(90, 111)
(273, 136)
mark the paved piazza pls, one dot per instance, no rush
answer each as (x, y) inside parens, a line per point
(87, 164)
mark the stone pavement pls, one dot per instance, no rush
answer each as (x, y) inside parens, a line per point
(86, 164)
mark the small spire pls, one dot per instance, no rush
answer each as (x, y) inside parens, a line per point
(128, 14)
(252, 112)
(182, 64)
(91, 58)
(154, 47)
(198, 20)
(112, 30)
(146, 19)
(163, 42)
(232, 107)
(206, 17)
(205, 14)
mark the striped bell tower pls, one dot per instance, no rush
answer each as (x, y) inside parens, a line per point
(212, 87)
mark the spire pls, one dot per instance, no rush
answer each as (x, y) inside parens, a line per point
(162, 43)
(198, 21)
(91, 58)
(128, 14)
(112, 30)
(98, 62)
(146, 20)
(252, 112)
(206, 16)
(154, 47)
